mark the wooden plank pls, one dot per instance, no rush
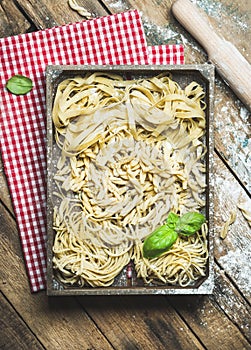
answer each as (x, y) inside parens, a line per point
(4, 190)
(221, 14)
(149, 9)
(140, 322)
(231, 302)
(47, 318)
(234, 252)
(225, 315)
(47, 14)
(150, 322)
(14, 333)
(232, 120)
(12, 21)
(211, 325)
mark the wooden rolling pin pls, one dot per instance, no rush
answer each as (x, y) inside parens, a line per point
(229, 62)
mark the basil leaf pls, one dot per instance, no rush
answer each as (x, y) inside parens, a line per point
(159, 241)
(172, 219)
(189, 223)
(19, 85)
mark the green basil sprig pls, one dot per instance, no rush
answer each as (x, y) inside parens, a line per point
(189, 223)
(159, 242)
(162, 239)
(172, 220)
(19, 85)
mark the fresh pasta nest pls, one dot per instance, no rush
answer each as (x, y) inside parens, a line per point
(131, 152)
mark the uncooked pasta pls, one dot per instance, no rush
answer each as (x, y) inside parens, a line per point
(131, 152)
(230, 221)
(181, 265)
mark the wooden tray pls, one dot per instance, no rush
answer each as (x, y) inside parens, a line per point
(183, 74)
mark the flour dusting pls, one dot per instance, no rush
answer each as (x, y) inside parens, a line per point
(158, 35)
(237, 263)
(233, 121)
(220, 11)
(227, 192)
(233, 254)
(119, 6)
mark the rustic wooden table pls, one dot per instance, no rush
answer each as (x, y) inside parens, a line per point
(218, 321)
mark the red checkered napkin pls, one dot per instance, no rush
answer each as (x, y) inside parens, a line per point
(166, 54)
(116, 39)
